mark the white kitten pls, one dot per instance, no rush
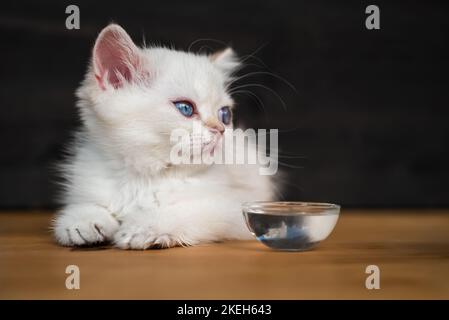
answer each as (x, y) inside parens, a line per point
(121, 185)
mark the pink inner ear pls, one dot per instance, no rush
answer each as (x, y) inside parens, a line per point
(116, 57)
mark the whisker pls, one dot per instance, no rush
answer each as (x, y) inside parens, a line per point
(289, 165)
(253, 95)
(205, 39)
(246, 57)
(264, 87)
(254, 52)
(265, 73)
(280, 155)
(205, 47)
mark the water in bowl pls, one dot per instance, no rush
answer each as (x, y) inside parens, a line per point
(292, 232)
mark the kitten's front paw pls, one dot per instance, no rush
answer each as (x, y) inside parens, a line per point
(80, 225)
(131, 236)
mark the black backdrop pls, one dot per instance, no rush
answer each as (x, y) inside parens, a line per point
(369, 118)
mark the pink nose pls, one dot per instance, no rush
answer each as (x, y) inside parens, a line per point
(214, 125)
(216, 130)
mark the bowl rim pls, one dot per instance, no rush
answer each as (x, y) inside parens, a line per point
(328, 208)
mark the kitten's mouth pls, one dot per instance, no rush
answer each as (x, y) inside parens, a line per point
(209, 148)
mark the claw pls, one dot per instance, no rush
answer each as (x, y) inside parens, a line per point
(81, 236)
(97, 228)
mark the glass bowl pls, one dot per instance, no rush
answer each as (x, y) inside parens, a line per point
(290, 226)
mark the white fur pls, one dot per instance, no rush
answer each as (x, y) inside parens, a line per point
(121, 186)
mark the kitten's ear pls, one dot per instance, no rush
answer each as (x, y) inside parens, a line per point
(116, 59)
(226, 60)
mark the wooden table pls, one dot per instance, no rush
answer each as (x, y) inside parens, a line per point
(411, 248)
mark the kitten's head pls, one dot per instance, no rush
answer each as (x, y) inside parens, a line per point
(133, 98)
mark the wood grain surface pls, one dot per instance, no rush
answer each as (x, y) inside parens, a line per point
(411, 248)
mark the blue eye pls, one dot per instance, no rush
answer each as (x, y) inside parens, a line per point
(225, 115)
(185, 107)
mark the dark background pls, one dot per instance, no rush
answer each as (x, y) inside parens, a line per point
(368, 125)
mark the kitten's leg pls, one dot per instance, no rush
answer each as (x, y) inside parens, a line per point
(84, 224)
